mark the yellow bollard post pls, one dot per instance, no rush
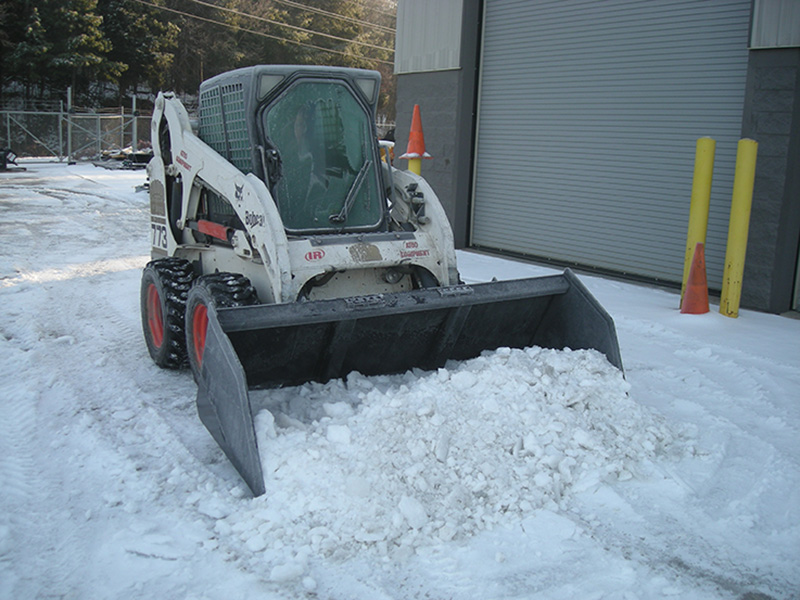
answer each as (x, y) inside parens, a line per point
(698, 208)
(742, 200)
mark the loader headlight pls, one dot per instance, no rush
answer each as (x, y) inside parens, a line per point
(392, 276)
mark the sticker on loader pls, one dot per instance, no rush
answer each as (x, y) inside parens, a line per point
(159, 236)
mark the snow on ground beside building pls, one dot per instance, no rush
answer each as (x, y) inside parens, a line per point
(519, 474)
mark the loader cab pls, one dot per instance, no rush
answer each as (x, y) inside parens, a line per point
(321, 157)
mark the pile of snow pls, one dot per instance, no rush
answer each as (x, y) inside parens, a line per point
(395, 463)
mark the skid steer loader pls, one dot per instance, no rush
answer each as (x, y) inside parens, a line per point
(286, 251)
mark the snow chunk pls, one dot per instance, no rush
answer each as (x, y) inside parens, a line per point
(357, 486)
(463, 380)
(211, 507)
(338, 409)
(285, 572)
(583, 439)
(256, 543)
(309, 584)
(338, 434)
(413, 511)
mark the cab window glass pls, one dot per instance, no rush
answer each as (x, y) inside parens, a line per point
(329, 177)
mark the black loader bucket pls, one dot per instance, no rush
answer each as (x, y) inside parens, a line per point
(290, 344)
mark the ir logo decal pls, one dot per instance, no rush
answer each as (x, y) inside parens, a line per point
(314, 255)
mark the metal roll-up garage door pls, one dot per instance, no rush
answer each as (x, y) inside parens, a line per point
(588, 117)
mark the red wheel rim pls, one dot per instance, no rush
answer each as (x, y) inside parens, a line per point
(199, 327)
(155, 318)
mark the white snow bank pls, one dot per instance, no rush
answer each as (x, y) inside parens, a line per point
(395, 463)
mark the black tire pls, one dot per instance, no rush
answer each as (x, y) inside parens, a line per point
(220, 290)
(165, 285)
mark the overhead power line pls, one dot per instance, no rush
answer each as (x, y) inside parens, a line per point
(334, 15)
(294, 27)
(259, 33)
(371, 7)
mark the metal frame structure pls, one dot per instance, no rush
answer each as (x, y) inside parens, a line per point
(77, 133)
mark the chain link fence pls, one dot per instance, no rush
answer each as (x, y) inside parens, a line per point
(73, 135)
(81, 134)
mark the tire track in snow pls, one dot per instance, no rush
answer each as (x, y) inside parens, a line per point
(714, 380)
(107, 436)
(634, 328)
(142, 419)
(696, 562)
(743, 446)
(147, 418)
(105, 419)
(64, 223)
(71, 271)
(17, 429)
(67, 196)
(24, 494)
(152, 482)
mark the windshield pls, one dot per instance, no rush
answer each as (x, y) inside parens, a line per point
(329, 178)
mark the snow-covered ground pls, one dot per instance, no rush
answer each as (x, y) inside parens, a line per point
(520, 474)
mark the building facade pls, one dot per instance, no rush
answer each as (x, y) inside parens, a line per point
(565, 131)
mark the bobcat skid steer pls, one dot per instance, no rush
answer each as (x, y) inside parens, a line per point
(286, 251)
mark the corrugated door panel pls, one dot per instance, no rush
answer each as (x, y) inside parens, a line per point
(588, 118)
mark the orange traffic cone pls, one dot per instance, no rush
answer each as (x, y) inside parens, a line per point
(416, 142)
(695, 299)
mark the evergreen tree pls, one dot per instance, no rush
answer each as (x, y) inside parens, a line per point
(24, 47)
(6, 45)
(271, 43)
(77, 52)
(47, 45)
(141, 38)
(204, 48)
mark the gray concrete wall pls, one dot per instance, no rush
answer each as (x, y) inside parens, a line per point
(772, 118)
(436, 93)
(447, 101)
